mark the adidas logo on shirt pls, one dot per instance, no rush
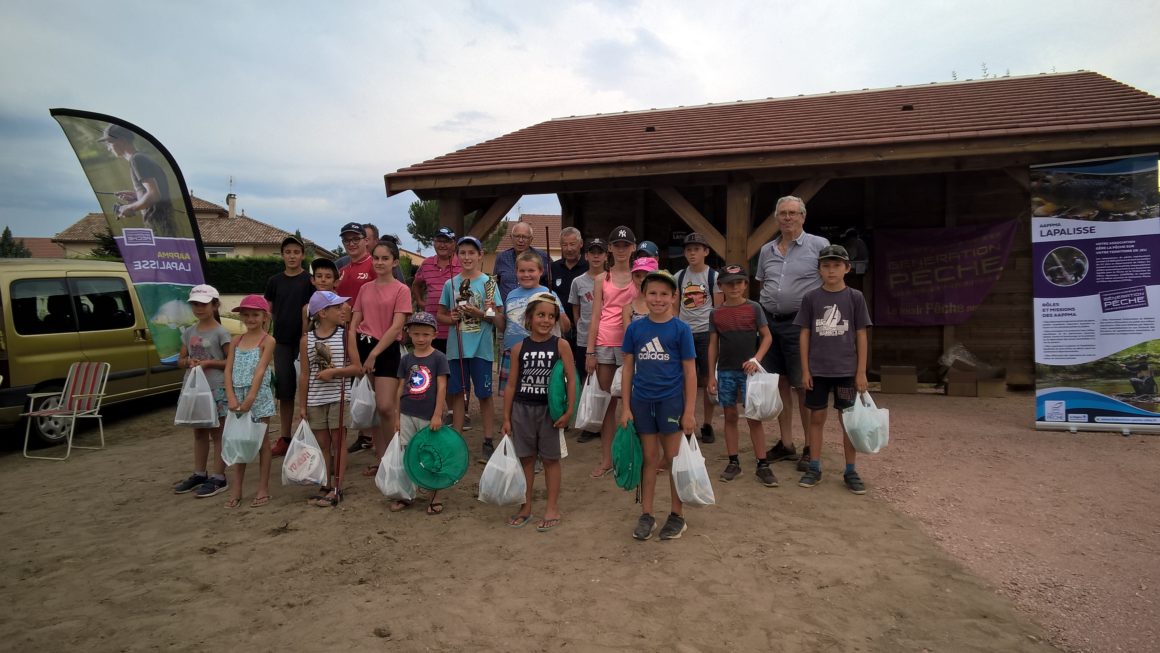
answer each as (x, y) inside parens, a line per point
(653, 351)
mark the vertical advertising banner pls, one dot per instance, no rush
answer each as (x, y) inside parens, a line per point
(146, 203)
(1095, 234)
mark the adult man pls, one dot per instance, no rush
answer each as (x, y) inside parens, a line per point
(433, 273)
(150, 194)
(505, 263)
(787, 269)
(564, 271)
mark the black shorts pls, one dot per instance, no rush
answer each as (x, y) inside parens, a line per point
(285, 381)
(701, 348)
(580, 358)
(386, 363)
(784, 355)
(842, 388)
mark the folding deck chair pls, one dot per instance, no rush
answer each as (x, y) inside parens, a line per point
(81, 397)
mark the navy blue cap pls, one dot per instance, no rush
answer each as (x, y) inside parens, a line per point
(445, 232)
(471, 240)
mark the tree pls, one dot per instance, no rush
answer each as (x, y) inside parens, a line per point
(12, 248)
(106, 245)
(424, 224)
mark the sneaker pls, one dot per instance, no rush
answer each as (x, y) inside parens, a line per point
(731, 471)
(539, 468)
(190, 484)
(587, 436)
(803, 463)
(781, 452)
(765, 476)
(644, 527)
(280, 447)
(854, 483)
(360, 443)
(707, 436)
(487, 449)
(674, 526)
(811, 478)
(211, 487)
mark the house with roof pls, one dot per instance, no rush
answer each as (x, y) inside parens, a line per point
(936, 155)
(225, 233)
(41, 247)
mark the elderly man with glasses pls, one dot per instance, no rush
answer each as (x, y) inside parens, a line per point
(787, 269)
(505, 262)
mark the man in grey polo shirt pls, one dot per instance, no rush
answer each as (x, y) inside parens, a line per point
(787, 269)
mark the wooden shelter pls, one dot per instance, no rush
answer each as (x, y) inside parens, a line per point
(932, 155)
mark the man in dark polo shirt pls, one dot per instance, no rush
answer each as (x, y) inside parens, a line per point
(787, 268)
(565, 270)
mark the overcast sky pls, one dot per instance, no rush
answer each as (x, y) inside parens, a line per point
(308, 104)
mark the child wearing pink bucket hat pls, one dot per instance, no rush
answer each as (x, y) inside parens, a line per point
(249, 389)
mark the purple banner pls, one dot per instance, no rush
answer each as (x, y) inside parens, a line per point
(146, 203)
(936, 276)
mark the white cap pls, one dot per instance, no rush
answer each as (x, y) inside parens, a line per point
(203, 294)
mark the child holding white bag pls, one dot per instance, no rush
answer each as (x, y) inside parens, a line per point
(248, 389)
(324, 380)
(206, 345)
(525, 406)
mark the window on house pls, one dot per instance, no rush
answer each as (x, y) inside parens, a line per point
(219, 252)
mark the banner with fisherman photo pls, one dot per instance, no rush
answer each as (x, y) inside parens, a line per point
(1095, 236)
(146, 203)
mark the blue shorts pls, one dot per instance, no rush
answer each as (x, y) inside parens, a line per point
(664, 416)
(731, 387)
(478, 375)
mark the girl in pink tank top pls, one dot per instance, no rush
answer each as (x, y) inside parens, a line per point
(611, 332)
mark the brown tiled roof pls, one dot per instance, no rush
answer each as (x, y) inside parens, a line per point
(41, 247)
(545, 232)
(217, 230)
(1035, 105)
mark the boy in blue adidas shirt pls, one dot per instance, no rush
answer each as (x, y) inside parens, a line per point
(658, 351)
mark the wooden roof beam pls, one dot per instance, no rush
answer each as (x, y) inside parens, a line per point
(764, 232)
(491, 217)
(692, 217)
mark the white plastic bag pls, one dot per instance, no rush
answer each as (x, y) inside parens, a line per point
(304, 463)
(392, 479)
(867, 425)
(363, 411)
(593, 405)
(690, 475)
(242, 438)
(614, 389)
(762, 398)
(196, 407)
(502, 482)
(563, 445)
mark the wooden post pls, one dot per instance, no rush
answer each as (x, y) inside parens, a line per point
(451, 213)
(738, 209)
(765, 231)
(485, 223)
(692, 217)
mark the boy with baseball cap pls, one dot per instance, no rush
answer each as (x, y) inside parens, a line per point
(698, 293)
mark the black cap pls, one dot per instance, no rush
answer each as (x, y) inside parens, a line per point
(695, 238)
(321, 262)
(292, 240)
(834, 252)
(621, 234)
(353, 227)
(445, 232)
(732, 272)
(598, 243)
(113, 132)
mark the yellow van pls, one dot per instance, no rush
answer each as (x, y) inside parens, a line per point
(54, 312)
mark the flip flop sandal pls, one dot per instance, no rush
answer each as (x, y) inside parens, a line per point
(518, 521)
(399, 506)
(371, 470)
(324, 493)
(600, 472)
(233, 503)
(329, 501)
(435, 508)
(546, 525)
(258, 502)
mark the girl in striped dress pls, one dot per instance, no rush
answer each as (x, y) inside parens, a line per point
(323, 381)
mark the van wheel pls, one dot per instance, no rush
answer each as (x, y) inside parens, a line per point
(49, 430)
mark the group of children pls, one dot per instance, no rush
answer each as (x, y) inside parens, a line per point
(672, 343)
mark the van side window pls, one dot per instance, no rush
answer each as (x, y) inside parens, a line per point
(103, 303)
(42, 306)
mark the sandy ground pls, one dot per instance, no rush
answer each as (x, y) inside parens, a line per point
(97, 553)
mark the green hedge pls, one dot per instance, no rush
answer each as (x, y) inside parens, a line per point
(242, 275)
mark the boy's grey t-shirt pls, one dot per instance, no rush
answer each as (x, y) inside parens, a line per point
(696, 298)
(208, 345)
(833, 319)
(420, 379)
(581, 294)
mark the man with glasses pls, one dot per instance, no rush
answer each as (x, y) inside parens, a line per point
(371, 233)
(787, 269)
(505, 262)
(360, 268)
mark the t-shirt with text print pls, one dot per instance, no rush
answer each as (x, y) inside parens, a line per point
(658, 349)
(536, 361)
(834, 319)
